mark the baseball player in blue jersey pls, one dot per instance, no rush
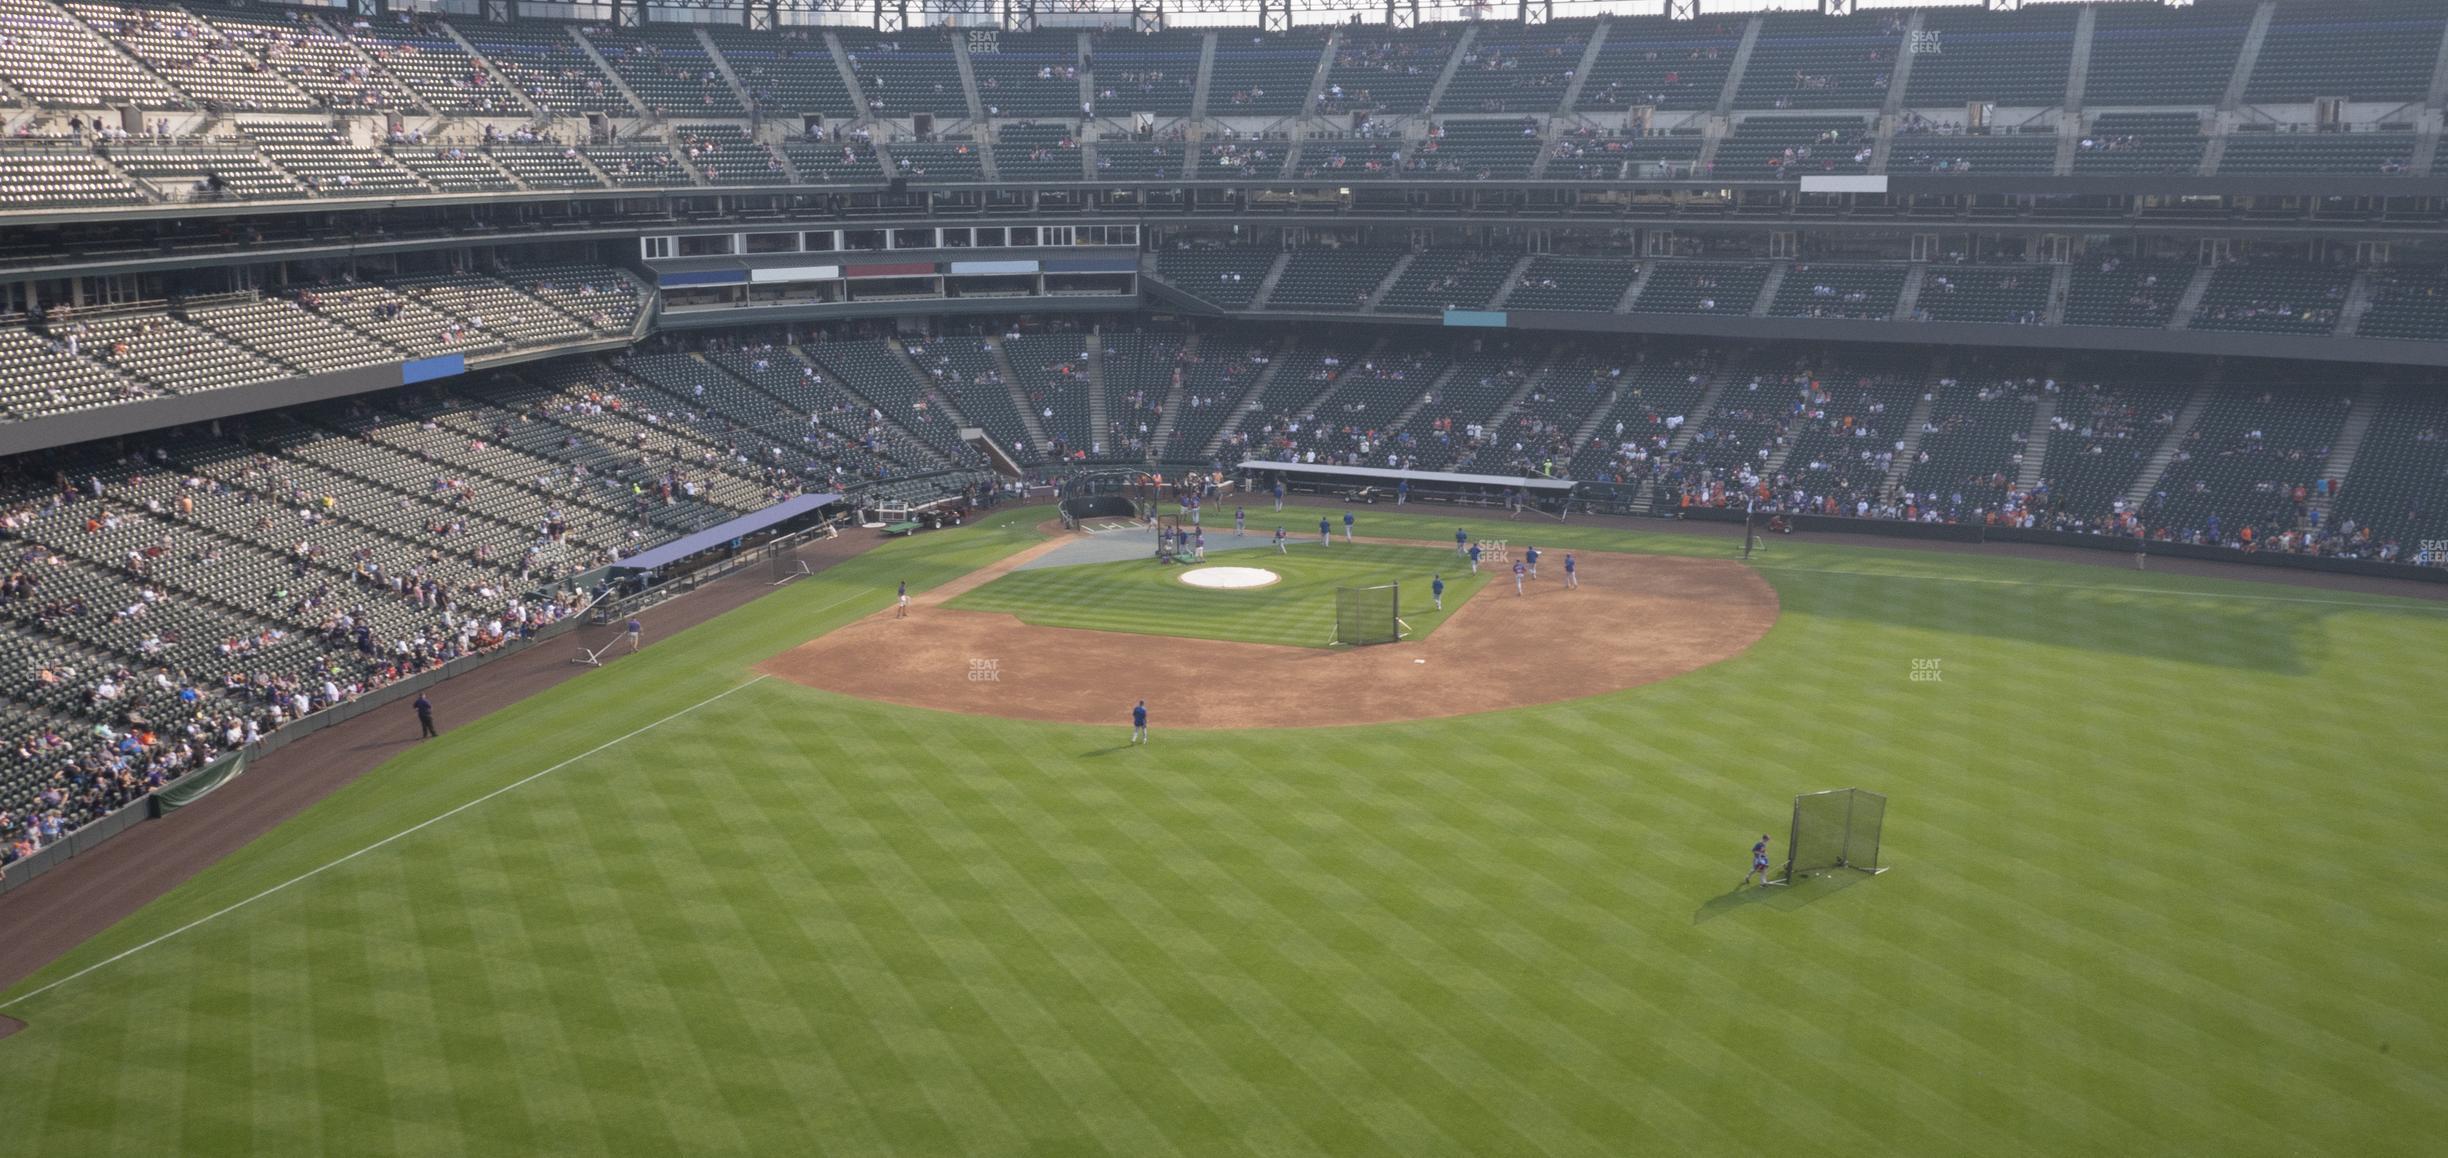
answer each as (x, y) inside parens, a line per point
(1474, 558)
(1532, 555)
(1325, 532)
(902, 612)
(1198, 546)
(1240, 521)
(1461, 540)
(1518, 572)
(1139, 724)
(1279, 494)
(1347, 526)
(1280, 548)
(1759, 863)
(1436, 590)
(1572, 573)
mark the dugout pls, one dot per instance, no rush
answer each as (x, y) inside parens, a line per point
(1372, 484)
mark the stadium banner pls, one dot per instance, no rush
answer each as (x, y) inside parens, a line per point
(198, 784)
(1475, 318)
(1090, 265)
(702, 277)
(994, 267)
(1833, 183)
(891, 269)
(428, 369)
(795, 273)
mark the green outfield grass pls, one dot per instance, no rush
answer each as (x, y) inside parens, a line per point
(2164, 883)
(1143, 596)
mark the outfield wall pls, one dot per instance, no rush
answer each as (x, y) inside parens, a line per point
(1980, 533)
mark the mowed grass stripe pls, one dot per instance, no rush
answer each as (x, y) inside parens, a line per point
(1297, 611)
(2143, 903)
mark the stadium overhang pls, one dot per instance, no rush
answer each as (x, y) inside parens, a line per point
(1387, 476)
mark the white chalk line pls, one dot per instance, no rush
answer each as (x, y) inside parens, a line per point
(401, 834)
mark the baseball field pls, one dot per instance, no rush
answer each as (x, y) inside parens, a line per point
(2162, 853)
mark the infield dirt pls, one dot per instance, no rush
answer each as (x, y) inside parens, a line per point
(1635, 619)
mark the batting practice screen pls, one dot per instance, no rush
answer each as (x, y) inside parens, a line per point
(1835, 829)
(1368, 614)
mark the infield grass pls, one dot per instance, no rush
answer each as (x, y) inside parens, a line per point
(1299, 611)
(2165, 851)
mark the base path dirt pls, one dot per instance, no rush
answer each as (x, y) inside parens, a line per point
(1635, 619)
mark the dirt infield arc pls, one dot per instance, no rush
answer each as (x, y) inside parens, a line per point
(1635, 619)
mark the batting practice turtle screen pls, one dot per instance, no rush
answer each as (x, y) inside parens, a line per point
(1368, 614)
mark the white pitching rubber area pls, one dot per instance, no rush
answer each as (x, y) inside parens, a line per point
(1230, 578)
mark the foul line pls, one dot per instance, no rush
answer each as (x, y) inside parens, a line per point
(210, 917)
(2399, 602)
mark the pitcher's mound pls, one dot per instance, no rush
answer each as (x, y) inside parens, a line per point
(1230, 578)
(1635, 619)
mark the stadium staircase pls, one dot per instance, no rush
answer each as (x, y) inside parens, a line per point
(2438, 93)
(2426, 143)
(1623, 305)
(1100, 421)
(1392, 276)
(969, 92)
(112, 39)
(1435, 390)
(1897, 78)
(1589, 60)
(2036, 444)
(1537, 377)
(612, 76)
(2248, 56)
(1596, 418)
(2342, 452)
(2061, 283)
(935, 395)
(1020, 401)
(1910, 297)
(2358, 303)
(849, 77)
(1735, 70)
(1512, 281)
(1241, 410)
(2069, 141)
(1084, 51)
(1915, 427)
(1266, 285)
(722, 65)
(1162, 436)
(1453, 64)
(1768, 288)
(2190, 303)
(1317, 86)
(1199, 88)
(507, 86)
(2186, 419)
(1645, 502)
(2078, 69)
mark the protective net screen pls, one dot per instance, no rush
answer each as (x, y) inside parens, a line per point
(1818, 831)
(1367, 614)
(1836, 829)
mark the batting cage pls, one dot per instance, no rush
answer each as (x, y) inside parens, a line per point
(1368, 614)
(1835, 829)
